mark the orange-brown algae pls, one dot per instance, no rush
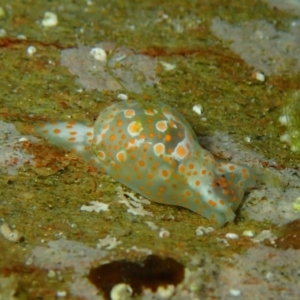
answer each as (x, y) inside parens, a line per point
(289, 236)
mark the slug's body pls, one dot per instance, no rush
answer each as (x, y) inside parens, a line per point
(152, 149)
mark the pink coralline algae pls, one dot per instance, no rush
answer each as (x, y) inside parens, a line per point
(12, 154)
(261, 46)
(119, 69)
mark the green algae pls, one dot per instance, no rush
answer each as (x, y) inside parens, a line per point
(292, 115)
(296, 204)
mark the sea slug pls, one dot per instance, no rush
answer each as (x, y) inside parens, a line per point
(153, 150)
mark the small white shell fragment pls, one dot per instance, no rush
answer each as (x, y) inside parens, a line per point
(121, 291)
(59, 275)
(23, 139)
(50, 19)
(167, 66)
(258, 76)
(201, 230)
(223, 241)
(294, 23)
(235, 293)
(109, 242)
(31, 50)
(285, 138)
(10, 234)
(248, 233)
(61, 294)
(151, 225)
(143, 250)
(264, 235)
(133, 204)
(165, 292)
(283, 119)
(247, 139)
(231, 235)
(269, 276)
(123, 97)
(21, 37)
(2, 32)
(95, 206)
(98, 54)
(198, 109)
(51, 274)
(163, 233)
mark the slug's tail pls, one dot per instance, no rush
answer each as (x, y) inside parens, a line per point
(74, 136)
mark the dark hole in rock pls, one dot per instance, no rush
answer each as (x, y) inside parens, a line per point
(151, 273)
